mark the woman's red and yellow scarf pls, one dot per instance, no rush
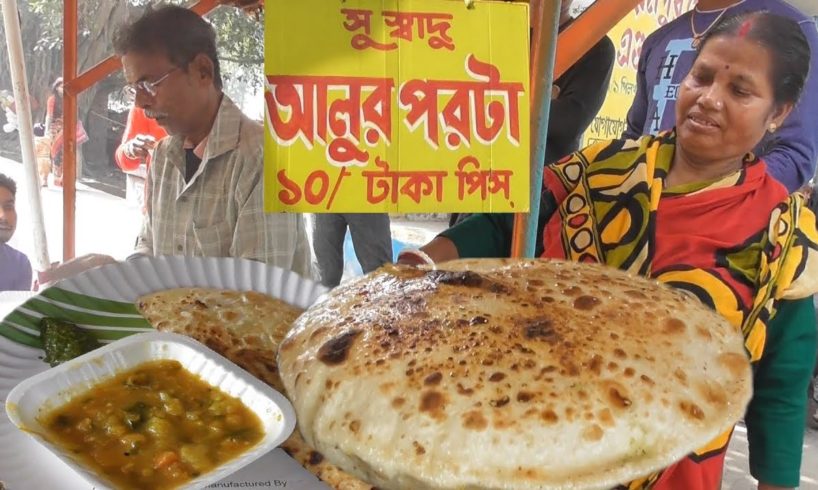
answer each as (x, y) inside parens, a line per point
(740, 244)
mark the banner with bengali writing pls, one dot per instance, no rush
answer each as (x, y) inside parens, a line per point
(407, 106)
(628, 37)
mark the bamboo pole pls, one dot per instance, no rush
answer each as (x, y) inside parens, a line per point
(25, 128)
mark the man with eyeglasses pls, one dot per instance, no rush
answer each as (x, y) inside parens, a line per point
(205, 183)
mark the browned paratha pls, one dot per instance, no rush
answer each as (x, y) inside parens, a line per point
(245, 326)
(526, 374)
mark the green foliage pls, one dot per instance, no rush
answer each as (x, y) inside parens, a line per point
(241, 38)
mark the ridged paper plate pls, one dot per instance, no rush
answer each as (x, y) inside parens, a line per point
(102, 300)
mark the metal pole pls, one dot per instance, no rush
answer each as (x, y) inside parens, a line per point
(11, 22)
(544, 45)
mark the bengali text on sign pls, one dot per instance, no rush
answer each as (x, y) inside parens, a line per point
(387, 106)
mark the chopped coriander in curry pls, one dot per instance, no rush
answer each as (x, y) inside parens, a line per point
(154, 427)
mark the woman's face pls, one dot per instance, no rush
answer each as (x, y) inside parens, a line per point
(725, 104)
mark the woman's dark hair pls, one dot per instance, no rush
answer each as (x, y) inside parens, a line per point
(57, 97)
(789, 50)
(176, 32)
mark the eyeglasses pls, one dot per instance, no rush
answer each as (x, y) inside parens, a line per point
(150, 88)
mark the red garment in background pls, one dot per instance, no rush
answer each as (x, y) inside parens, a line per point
(138, 123)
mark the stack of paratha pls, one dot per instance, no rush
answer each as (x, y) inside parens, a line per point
(244, 326)
(247, 328)
(511, 374)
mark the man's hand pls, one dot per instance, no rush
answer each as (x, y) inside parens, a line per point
(140, 146)
(59, 271)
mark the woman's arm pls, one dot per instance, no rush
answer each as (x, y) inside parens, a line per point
(49, 113)
(776, 415)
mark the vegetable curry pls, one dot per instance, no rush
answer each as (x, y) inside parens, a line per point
(156, 426)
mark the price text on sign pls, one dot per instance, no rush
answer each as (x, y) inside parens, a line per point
(387, 106)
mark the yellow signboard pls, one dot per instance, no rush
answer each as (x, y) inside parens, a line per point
(396, 106)
(628, 37)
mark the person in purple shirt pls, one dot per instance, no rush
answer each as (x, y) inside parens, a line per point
(790, 151)
(15, 269)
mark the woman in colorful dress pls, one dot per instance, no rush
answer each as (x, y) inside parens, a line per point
(53, 130)
(696, 210)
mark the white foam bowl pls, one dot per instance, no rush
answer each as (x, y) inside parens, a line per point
(38, 395)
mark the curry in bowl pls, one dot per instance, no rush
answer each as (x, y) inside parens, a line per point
(156, 426)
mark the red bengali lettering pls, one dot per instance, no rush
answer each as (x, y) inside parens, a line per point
(500, 181)
(381, 184)
(623, 54)
(465, 113)
(637, 52)
(291, 193)
(355, 20)
(435, 26)
(418, 184)
(647, 6)
(298, 108)
(489, 119)
(674, 8)
(419, 97)
(456, 117)
(471, 179)
(630, 47)
(385, 183)
(311, 194)
(282, 96)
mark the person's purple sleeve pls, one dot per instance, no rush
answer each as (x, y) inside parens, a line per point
(23, 281)
(792, 153)
(639, 107)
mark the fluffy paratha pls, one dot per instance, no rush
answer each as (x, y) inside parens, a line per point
(245, 326)
(317, 464)
(526, 374)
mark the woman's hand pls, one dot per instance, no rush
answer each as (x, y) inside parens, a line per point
(440, 249)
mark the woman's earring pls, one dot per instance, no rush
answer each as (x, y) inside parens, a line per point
(773, 127)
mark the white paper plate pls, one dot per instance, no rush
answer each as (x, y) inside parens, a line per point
(38, 395)
(102, 300)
